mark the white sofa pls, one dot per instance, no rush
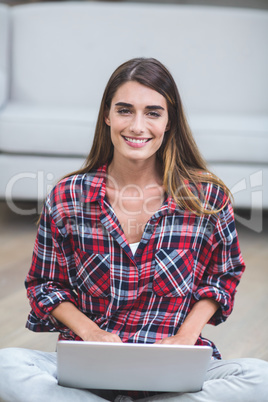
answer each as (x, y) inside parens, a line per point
(55, 60)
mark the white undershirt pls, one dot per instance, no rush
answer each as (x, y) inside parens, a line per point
(134, 247)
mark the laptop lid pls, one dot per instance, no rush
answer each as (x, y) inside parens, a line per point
(132, 366)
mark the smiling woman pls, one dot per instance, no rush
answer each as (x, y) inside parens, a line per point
(139, 246)
(138, 118)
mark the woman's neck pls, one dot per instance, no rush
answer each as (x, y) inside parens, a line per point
(137, 173)
(135, 192)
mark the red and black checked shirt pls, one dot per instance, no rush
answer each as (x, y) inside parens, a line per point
(81, 255)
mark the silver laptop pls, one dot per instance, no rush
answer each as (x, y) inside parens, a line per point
(132, 366)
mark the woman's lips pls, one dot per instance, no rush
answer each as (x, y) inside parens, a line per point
(136, 142)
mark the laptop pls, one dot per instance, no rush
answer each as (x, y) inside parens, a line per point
(132, 366)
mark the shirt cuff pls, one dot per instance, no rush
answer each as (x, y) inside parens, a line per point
(40, 318)
(220, 296)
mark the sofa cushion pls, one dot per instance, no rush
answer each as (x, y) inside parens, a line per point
(29, 129)
(32, 177)
(231, 138)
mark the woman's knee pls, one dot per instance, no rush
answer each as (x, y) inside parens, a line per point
(23, 371)
(255, 374)
(9, 356)
(18, 359)
(243, 379)
(255, 368)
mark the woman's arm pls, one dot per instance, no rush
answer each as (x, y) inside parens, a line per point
(195, 321)
(49, 288)
(69, 315)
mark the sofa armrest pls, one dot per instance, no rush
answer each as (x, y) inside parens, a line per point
(4, 52)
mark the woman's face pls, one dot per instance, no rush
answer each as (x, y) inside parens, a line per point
(138, 119)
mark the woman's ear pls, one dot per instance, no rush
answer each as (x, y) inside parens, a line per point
(167, 126)
(106, 116)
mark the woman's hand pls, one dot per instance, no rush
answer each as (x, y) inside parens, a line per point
(178, 340)
(189, 331)
(98, 335)
(69, 315)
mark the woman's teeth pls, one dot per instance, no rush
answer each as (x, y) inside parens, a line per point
(136, 141)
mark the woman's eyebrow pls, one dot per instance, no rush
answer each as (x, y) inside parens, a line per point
(150, 107)
(154, 107)
(123, 104)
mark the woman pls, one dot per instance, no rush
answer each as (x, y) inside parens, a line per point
(138, 246)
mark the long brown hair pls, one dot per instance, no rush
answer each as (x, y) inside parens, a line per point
(179, 155)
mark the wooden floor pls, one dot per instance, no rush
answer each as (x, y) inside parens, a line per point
(245, 333)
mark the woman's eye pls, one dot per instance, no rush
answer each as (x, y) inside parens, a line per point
(123, 111)
(154, 114)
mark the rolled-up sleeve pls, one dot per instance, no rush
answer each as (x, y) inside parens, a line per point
(225, 268)
(48, 282)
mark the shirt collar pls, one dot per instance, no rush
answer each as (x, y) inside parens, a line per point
(169, 207)
(96, 186)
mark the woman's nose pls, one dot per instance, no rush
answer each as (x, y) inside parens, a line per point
(137, 124)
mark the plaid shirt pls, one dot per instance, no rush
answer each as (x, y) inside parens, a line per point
(81, 255)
